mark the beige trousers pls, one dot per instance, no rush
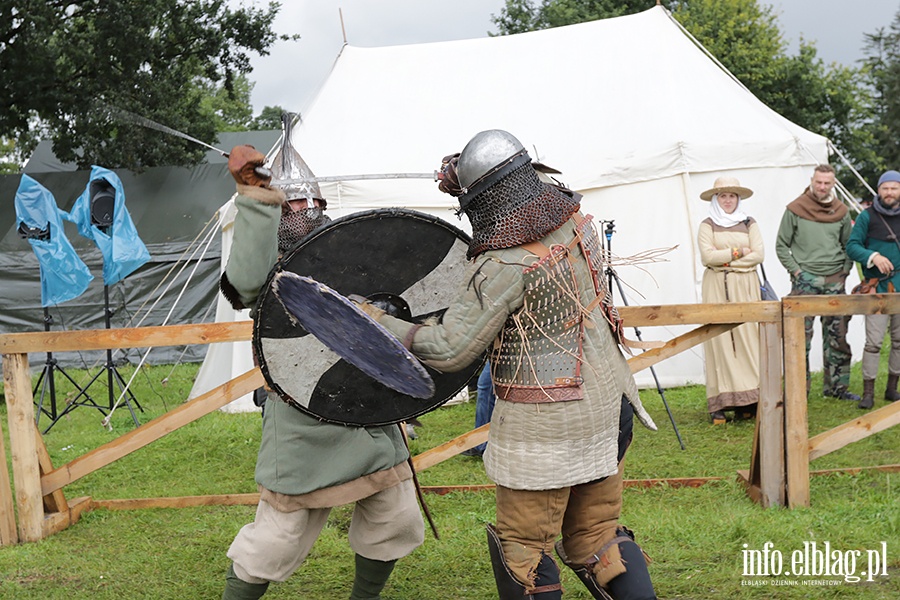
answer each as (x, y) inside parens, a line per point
(385, 526)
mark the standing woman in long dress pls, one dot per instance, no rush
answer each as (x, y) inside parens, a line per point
(730, 248)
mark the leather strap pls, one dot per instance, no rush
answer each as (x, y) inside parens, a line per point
(596, 557)
(540, 250)
(408, 338)
(537, 248)
(553, 587)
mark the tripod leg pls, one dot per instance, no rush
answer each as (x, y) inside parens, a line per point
(82, 391)
(52, 380)
(47, 382)
(637, 333)
(42, 384)
(75, 403)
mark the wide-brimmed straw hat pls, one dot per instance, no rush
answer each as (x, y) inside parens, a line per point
(727, 184)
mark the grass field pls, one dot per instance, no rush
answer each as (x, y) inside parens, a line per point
(695, 536)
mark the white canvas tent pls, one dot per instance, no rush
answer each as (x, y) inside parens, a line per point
(637, 117)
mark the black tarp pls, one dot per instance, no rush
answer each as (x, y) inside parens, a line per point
(172, 207)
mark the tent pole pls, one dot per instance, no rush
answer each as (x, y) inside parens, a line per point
(844, 160)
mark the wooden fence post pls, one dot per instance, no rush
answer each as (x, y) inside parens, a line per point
(8, 535)
(771, 416)
(23, 446)
(796, 420)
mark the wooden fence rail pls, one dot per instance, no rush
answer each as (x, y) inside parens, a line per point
(779, 460)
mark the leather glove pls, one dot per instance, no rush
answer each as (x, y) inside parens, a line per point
(242, 163)
(449, 180)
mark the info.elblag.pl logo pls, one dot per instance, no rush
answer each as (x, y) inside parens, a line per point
(813, 562)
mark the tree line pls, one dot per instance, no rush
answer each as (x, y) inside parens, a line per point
(856, 107)
(182, 63)
(186, 64)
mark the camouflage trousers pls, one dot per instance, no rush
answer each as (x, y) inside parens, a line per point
(836, 353)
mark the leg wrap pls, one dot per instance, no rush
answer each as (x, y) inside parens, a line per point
(584, 574)
(618, 571)
(635, 583)
(238, 589)
(546, 584)
(370, 577)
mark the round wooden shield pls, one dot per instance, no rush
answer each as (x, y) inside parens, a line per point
(385, 252)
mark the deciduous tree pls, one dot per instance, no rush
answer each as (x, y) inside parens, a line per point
(745, 37)
(64, 61)
(269, 118)
(882, 61)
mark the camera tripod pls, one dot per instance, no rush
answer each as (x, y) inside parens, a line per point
(47, 384)
(612, 276)
(112, 376)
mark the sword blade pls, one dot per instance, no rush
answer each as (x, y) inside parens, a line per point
(129, 117)
(355, 178)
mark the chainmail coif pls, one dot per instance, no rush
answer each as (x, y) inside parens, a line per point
(297, 224)
(518, 209)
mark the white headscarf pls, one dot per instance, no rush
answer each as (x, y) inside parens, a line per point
(722, 218)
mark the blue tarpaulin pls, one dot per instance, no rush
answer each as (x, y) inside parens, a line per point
(122, 248)
(64, 275)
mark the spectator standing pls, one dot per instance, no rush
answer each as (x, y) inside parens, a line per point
(874, 245)
(812, 246)
(484, 407)
(731, 247)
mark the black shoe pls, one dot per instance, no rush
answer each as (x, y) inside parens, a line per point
(842, 395)
(472, 452)
(717, 417)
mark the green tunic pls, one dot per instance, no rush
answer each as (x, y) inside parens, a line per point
(322, 463)
(813, 247)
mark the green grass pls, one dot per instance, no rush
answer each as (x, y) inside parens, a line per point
(694, 535)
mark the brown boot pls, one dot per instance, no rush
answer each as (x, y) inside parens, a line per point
(890, 392)
(868, 397)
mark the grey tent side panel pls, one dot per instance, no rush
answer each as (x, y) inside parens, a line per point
(175, 212)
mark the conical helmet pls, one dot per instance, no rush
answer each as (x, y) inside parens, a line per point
(288, 165)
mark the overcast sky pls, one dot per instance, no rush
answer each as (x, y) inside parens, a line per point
(291, 74)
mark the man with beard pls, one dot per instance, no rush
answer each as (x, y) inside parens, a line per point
(812, 246)
(535, 296)
(366, 465)
(873, 243)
